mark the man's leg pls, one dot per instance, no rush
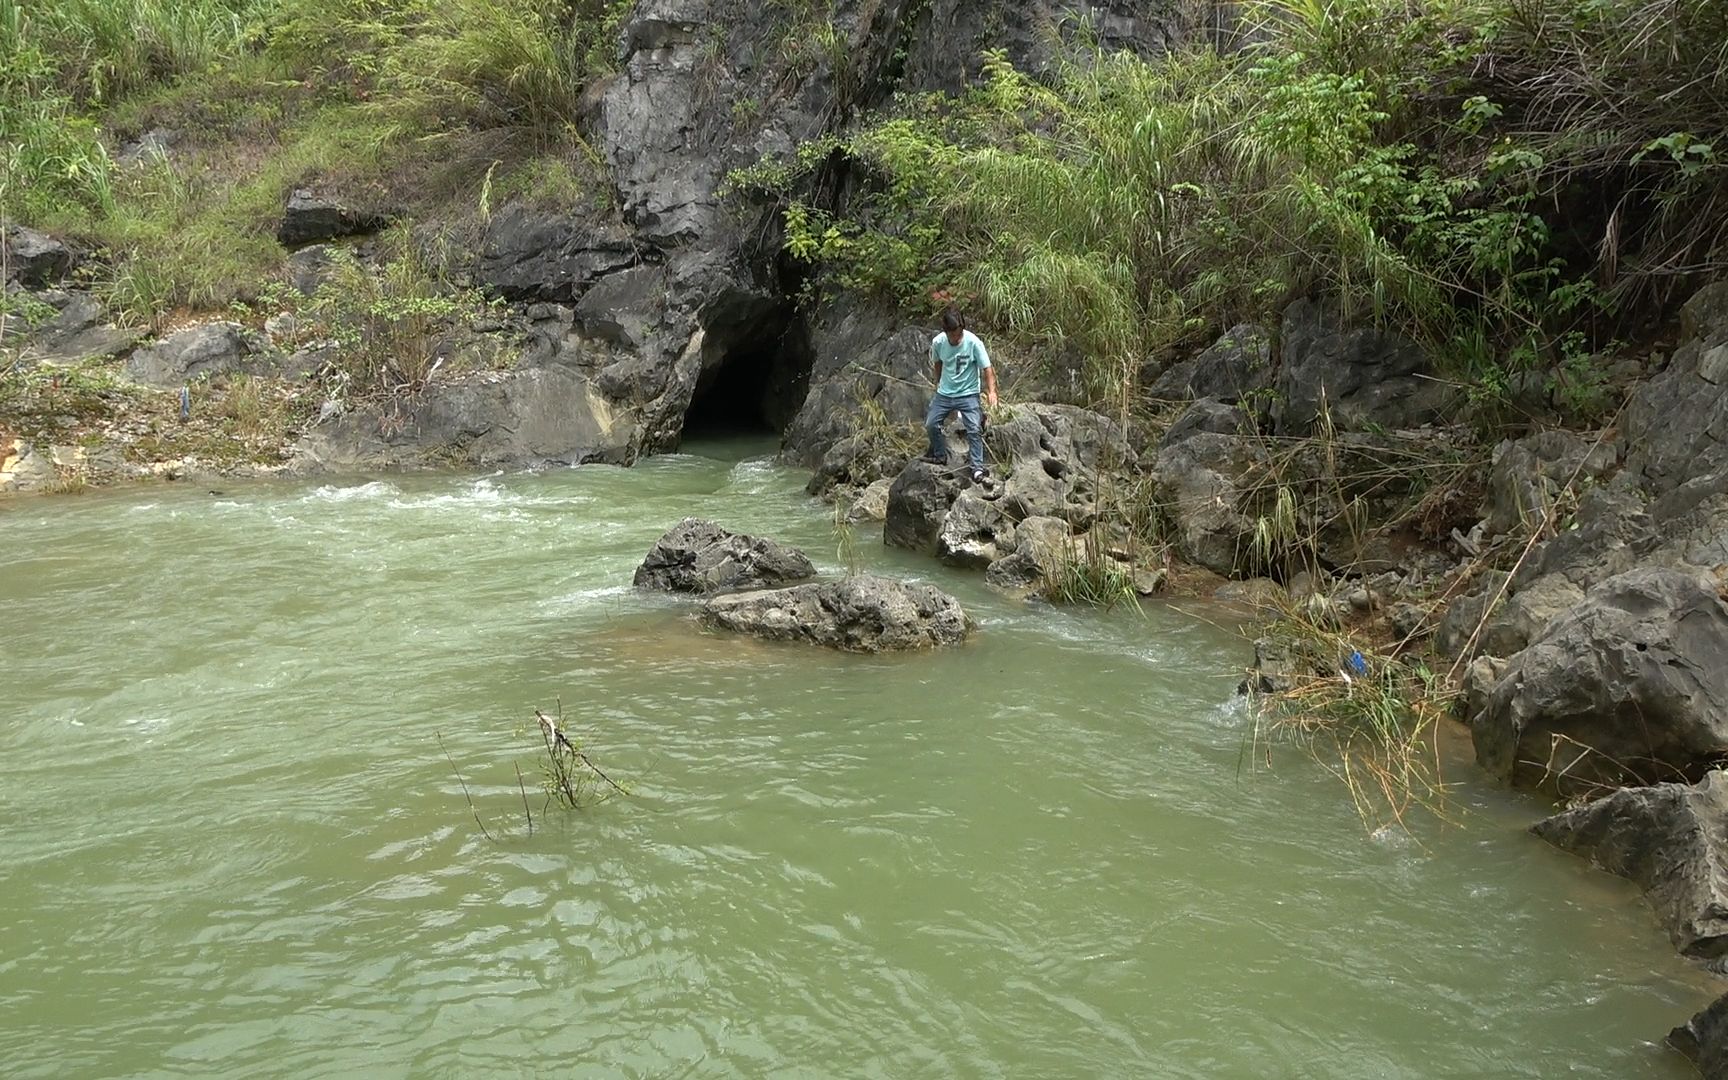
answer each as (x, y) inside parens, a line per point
(939, 409)
(972, 415)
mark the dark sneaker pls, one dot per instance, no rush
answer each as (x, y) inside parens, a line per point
(928, 460)
(979, 476)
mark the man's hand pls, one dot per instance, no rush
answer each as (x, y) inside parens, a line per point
(992, 397)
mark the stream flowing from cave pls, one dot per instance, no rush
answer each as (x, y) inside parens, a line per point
(231, 843)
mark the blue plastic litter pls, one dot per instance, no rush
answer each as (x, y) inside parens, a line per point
(1357, 664)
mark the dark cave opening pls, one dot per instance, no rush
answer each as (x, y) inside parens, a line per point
(756, 365)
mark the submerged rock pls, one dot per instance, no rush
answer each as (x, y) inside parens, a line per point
(697, 556)
(1630, 685)
(1670, 839)
(866, 614)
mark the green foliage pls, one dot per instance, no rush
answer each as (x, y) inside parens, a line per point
(387, 324)
(1362, 148)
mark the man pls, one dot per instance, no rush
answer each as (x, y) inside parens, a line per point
(958, 362)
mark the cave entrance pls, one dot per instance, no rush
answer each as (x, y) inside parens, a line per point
(756, 362)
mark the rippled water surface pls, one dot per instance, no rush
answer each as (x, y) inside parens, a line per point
(230, 844)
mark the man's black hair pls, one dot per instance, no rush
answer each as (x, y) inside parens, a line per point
(952, 320)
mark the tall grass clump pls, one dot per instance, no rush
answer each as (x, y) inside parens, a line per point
(1369, 716)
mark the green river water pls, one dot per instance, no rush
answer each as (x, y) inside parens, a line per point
(230, 844)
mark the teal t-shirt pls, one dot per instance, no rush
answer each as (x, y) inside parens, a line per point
(962, 365)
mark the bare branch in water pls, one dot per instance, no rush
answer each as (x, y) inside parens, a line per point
(464, 784)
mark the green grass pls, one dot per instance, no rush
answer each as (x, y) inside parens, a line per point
(438, 108)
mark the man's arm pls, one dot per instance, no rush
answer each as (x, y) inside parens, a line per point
(990, 386)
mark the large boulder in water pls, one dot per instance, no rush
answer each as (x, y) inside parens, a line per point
(1704, 1039)
(1672, 840)
(1630, 685)
(858, 614)
(697, 556)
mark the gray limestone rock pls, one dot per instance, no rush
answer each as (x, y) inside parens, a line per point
(1631, 685)
(697, 556)
(865, 614)
(1672, 841)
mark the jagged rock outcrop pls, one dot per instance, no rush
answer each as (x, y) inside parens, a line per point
(1629, 686)
(1704, 1040)
(918, 502)
(1672, 841)
(219, 348)
(1236, 366)
(33, 259)
(1528, 476)
(862, 357)
(1202, 482)
(697, 556)
(1676, 425)
(1040, 546)
(857, 614)
(532, 416)
(1363, 377)
(312, 218)
(975, 532)
(80, 331)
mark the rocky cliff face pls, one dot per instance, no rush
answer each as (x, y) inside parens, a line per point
(687, 286)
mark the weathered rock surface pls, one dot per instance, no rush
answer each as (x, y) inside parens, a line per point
(1704, 1039)
(1363, 377)
(1528, 476)
(1631, 685)
(79, 332)
(858, 614)
(871, 503)
(1676, 424)
(218, 348)
(310, 267)
(1672, 840)
(34, 260)
(1201, 481)
(861, 357)
(1236, 366)
(918, 503)
(529, 254)
(975, 532)
(311, 218)
(1040, 545)
(697, 556)
(534, 416)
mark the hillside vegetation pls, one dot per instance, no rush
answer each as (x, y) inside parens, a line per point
(1519, 183)
(436, 102)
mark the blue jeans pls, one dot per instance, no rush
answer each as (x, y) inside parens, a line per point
(971, 414)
